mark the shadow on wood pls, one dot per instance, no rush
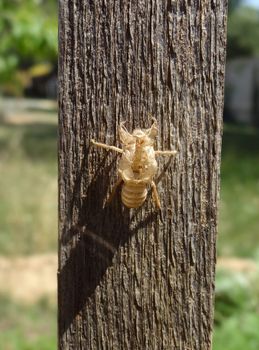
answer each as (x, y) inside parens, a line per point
(95, 240)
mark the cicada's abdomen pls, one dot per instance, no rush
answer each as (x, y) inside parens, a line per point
(133, 195)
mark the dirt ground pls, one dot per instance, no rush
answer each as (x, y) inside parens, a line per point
(28, 279)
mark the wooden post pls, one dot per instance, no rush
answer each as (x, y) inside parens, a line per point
(139, 279)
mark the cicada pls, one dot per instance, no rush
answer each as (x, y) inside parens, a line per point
(137, 166)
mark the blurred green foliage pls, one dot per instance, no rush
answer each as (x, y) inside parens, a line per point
(233, 5)
(28, 36)
(239, 200)
(27, 327)
(243, 30)
(237, 311)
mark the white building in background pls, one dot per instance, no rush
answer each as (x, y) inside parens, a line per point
(242, 90)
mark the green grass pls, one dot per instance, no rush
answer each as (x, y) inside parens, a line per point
(28, 188)
(238, 333)
(237, 311)
(27, 327)
(239, 203)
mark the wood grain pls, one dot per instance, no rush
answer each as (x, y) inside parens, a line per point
(139, 279)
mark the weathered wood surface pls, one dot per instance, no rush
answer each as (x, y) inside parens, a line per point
(138, 279)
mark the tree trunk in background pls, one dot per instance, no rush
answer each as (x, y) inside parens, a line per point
(139, 279)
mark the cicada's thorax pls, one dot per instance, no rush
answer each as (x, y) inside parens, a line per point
(137, 169)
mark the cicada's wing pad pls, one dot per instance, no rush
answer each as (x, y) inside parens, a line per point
(153, 131)
(125, 137)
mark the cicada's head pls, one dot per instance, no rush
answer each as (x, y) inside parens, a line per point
(140, 137)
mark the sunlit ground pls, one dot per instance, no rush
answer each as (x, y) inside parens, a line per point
(28, 222)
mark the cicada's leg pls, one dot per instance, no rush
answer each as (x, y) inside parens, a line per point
(117, 184)
(107, 147)
(155, 195)
(165, 153)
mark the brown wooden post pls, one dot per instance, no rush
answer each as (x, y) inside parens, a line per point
(139, 279)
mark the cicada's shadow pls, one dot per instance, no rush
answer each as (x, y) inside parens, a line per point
(91, 240)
